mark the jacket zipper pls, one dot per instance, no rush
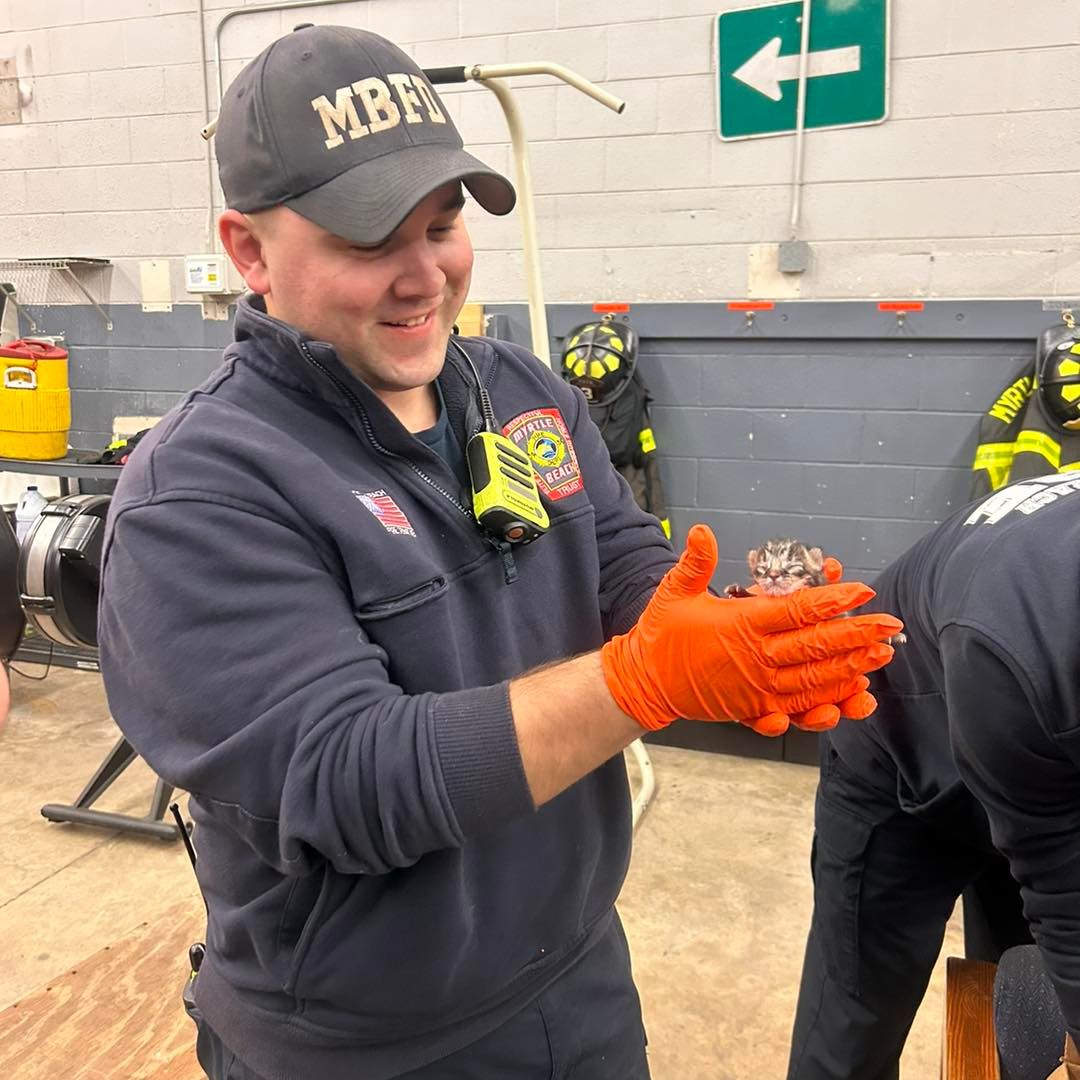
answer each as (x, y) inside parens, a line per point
(509, 569)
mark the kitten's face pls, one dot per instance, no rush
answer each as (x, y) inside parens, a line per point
(780, 567)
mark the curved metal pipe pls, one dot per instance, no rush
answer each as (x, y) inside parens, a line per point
(211, 124)
(210, 236)
(543, 67)
(490, 75)
(254, 9)
(527, 213)
(648, 780)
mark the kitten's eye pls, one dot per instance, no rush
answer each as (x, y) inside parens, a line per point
(797, 571)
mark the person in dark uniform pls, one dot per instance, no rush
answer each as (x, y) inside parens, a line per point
(401, 726)
(973, 755)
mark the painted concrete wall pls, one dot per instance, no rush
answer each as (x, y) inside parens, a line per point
(967, 191)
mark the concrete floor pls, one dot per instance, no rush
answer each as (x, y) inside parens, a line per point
(716, 905)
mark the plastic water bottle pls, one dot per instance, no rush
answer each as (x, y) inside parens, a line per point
(31, 503)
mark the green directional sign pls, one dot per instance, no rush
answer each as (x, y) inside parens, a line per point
(758, 66)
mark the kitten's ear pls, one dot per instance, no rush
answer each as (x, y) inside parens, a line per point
(816, 554)
(752, 557)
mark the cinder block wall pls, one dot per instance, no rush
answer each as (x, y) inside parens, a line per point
(142, 367)
(857, 446)
(967, 191)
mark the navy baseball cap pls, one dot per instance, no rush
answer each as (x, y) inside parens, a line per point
(341, 126)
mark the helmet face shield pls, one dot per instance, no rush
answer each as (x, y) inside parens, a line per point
(1058, 383)
(599, 358)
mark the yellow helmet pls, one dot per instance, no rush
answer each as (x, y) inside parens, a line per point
(599, 358)
(1058, 380)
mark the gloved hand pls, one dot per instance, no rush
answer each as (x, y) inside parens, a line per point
(822, 717)
(764, 658)
(858, 707)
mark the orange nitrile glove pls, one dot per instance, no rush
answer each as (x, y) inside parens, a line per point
(762, 659)
(857, 707)
(820, 718)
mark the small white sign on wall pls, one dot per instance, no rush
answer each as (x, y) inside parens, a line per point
(155, 285)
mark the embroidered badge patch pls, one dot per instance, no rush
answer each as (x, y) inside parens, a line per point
(389, 515)
(544, 436)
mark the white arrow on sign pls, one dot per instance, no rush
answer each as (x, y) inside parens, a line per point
(767, 69)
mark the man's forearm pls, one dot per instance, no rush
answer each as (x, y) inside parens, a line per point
(567, 724)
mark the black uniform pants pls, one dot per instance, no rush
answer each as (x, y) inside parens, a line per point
(885, 883)
(586, 1026)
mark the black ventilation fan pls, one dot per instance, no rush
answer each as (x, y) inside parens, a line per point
(59, 569)
(12, 618)
(59, 573)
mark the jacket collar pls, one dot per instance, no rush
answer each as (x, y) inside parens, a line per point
(282, 353)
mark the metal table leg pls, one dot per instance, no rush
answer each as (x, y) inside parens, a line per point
(79, 813)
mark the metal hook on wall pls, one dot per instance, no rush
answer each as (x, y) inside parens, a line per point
(901, 309)
(750, 309)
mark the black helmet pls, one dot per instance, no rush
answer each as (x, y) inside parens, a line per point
(599, 358)
(1058, 379)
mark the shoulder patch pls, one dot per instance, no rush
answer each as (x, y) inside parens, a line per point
(543, 435)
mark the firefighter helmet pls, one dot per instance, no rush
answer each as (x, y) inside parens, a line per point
(599, 358)
(1058, 380)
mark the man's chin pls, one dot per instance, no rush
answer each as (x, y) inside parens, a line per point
(396, 371)
(402, 376)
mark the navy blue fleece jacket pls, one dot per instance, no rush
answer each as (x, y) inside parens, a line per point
(302, 625)
(978, 715)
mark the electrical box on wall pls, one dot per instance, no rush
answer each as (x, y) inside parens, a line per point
(210, 274)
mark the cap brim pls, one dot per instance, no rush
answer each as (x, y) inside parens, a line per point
(366, 203)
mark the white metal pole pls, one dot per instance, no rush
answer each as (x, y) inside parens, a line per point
(800, 123)
(527, 214)
(490, 75)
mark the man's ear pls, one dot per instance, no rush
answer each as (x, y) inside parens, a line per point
(245, 248)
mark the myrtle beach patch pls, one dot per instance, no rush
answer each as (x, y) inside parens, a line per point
(544, 436)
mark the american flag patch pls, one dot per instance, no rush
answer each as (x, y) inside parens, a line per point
(389, 514)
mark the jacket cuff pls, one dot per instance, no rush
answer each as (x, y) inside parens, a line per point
(627, 616)
(480, 758)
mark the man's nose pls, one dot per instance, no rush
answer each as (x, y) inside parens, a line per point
(420, 273)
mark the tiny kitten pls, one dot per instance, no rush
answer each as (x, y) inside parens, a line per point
(782, 566)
